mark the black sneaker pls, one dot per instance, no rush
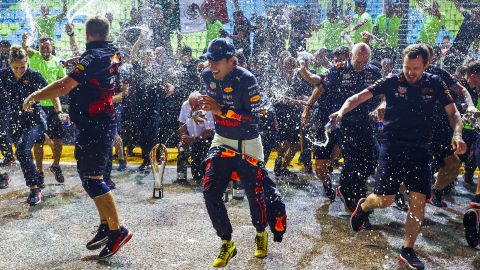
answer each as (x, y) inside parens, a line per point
(144, 168)
(41, 183)
(35, 196)
(400, 202)
(475, 201)
(470, 223)
(409, 257)
(5, 180)
(277, 168)
(115, 241)
(359, 217)
(110, 183)
(122, 165)
(436, 198)
(58, 174)
(100, 238)
(329, 192)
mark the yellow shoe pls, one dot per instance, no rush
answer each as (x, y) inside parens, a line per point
(261, 242)
(227, 251)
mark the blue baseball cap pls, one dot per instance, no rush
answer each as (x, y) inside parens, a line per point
(218, 49)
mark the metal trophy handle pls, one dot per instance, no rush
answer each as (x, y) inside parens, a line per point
(158, 169)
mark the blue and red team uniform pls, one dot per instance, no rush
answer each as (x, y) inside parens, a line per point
(239, 98)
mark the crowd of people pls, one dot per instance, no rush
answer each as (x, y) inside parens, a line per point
(241, 100)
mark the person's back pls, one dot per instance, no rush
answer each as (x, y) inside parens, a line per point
(97, 74)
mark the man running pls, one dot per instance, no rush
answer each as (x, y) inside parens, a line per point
(91, 109)
(234, 99)
(404, 147)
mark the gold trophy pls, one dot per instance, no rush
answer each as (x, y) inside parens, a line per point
(158, 170)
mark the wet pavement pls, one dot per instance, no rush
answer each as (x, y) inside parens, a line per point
(175, 232)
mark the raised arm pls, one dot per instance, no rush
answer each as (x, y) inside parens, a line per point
(64, 12)
(29, 50)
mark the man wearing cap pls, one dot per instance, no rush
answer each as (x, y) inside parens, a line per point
(233, 97)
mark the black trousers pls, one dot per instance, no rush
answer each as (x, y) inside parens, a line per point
(263, 197)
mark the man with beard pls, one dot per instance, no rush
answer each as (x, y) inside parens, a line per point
(404, 153)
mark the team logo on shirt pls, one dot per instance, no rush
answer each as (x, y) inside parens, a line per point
(79, 68)
(228, 90)
(346, 76)
(255, 98)
(402, 90)
(427, 91)
(213, 85)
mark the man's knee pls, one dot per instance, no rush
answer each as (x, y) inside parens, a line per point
(95, 187)
(323, 168)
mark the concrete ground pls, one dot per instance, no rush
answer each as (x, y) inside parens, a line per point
(175, 232)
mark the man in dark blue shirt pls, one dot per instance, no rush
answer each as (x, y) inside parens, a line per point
(16, 83)
(355, 136)
(93, 82)
(404, 153)
(233, 97)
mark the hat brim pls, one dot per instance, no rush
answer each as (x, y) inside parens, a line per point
(214, 58)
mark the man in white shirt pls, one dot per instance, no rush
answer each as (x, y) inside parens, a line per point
(196, 132)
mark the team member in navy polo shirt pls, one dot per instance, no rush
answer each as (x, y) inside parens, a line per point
(16, 83)
(94, 79)
(233, 97)
(404, 153)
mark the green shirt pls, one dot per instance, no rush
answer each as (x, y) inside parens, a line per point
(430, 29)
(367, 26)
(388, 28)
(46, 26)
(51, 70)
(333, 34)
(213, 30)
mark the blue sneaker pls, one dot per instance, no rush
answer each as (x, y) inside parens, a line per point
(116, 240)
(409, 257)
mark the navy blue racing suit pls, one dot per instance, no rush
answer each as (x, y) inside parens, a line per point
(239, 98)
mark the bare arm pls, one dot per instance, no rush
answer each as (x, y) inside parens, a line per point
(54, 90)
(29, 51)
(350, 104)
(456, 123)
(307, 110)
(71, 37)
(462, 91)
(309, 77)
(64, 12)
(136, 49)
(57, 105)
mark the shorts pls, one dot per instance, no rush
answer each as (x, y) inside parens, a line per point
(289, 125)
(325, 152)
(403, 163)
(93, 148)
(55, 128)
